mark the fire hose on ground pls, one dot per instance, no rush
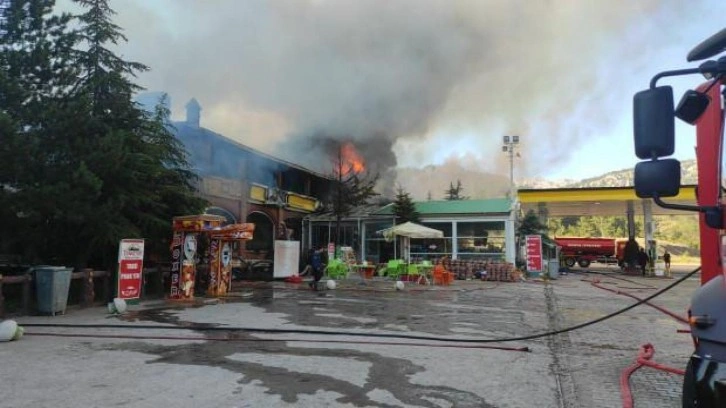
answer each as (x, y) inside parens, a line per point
(596, 283)
(646, 351)
(644, 359)
(206, 328)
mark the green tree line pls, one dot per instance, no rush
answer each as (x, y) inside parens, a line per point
(81, 165)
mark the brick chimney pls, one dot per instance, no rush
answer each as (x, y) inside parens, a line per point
(193, 112)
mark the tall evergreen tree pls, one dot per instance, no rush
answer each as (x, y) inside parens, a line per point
(102, 168)
(134, 172)
(36, 72)
(454, 193)
(531, 224)
(350, 188)
(404, 207)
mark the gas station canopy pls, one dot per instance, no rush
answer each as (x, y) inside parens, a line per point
(597, 201)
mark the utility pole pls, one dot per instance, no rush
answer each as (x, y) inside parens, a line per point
(509, 146)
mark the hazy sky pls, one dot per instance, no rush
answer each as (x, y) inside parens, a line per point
(431, 80)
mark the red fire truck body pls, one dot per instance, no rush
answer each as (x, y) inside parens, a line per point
(654, 114)
(584, 251)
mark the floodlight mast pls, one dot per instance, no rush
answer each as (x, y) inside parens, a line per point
(509, 146)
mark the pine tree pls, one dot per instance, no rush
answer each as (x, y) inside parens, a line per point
(102, 168)
(531, 224)
(134, 172)
(36, 72)
(455, 193)
(349, 190)
(404, 207)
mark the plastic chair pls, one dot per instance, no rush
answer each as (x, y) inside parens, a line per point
(442, 276)
(412, 273)
(336, 269)
(412, 270)
(394, 268)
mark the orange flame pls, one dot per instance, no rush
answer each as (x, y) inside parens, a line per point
(352, 160)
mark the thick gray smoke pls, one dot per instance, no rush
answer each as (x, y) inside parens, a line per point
(410, 77)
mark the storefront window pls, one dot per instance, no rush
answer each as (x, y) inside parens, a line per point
(320, 236)
(433, 249)
(324, 233)
(348, 235)
(378, 250)
(482, 239)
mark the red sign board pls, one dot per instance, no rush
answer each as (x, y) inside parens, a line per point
(534, 253)
(130, 267)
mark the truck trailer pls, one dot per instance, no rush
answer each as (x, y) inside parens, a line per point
(584, 251)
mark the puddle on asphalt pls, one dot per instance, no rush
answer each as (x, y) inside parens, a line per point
(383, 373)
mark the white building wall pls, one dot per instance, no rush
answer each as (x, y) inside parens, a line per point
(510, 242)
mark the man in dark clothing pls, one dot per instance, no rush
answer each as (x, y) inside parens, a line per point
(643, 260)
(667, 261)
(630, 255)
(318, 262)
(308, 268)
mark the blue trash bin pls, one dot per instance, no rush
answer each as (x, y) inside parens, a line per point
(52, 284)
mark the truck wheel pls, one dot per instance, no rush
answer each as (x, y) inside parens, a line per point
(584, 263)
(688, 398)
(570, 262)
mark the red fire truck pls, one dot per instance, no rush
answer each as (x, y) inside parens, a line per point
(584, 251)
(659, 177)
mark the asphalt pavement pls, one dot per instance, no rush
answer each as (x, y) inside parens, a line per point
(205, 360)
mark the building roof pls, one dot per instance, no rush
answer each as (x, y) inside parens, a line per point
(367, 211)
(188, 134)
(454, 207)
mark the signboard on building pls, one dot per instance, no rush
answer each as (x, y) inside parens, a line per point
(287, 259)
(300, 202)
(130, 267)
(176, 263)
(534, 253)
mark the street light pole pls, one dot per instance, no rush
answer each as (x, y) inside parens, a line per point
(510, 144)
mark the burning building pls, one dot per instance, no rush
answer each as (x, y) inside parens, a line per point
(246, 185)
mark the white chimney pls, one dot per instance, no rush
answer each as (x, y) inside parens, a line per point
(193, 112)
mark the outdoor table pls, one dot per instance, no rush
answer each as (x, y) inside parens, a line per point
(365, 271)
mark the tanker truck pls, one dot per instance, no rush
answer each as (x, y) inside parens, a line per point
(584, 251)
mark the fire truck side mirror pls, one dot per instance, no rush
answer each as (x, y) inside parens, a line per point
(657, 178)
(654, 123)
(692, 106)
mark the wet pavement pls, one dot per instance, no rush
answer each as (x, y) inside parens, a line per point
(207, 361)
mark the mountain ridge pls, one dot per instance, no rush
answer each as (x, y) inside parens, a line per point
(431, 182)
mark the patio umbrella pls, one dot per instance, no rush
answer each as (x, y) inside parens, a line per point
(410, 230)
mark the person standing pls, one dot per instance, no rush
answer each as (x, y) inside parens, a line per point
(643, 260)
(630, 255)
(667, 261)
(318, 263)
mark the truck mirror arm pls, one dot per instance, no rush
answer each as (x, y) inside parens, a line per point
(675, 72)
(713, 214)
